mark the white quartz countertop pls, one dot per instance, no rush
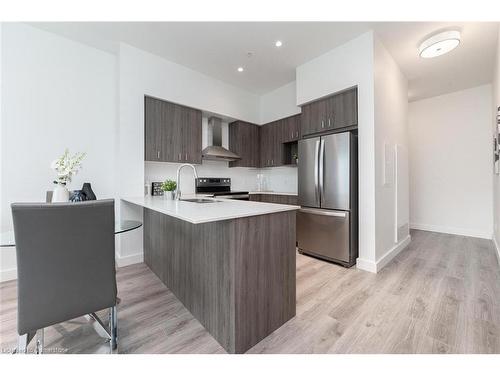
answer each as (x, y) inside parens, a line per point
(196, 213)
(271, 192)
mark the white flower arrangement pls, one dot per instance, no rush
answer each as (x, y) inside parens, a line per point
(67, 166)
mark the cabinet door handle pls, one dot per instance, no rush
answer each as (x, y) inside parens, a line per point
(180, 157)
(158, 154)
(328, 122)
(322, 123)
(186, 156)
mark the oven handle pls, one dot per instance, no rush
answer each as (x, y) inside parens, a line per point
(239, 196)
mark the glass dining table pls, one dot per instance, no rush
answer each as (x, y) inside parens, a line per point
(7, 239)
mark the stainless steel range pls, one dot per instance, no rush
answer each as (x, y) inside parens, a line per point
(219, 187)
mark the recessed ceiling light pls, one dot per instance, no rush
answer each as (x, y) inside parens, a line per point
(278, 43)
(240, 69)
(439, 44)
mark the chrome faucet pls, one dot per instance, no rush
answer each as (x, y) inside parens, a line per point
(178, 181)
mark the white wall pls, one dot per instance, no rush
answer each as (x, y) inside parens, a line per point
(451, 163)
(391, 129)
(279, 103)
(56, 93)
(349, 65)
(496, 178)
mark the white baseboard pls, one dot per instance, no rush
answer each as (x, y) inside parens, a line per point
(451, 230)
(374, 267)
(366, 265)
(497, 248)
(129, 259)
(10, 274)
(387, 257)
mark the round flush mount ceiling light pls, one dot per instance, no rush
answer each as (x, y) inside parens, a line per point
(278, 43)
(439, 44)
(240, 69)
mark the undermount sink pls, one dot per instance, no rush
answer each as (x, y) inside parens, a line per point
(199, 200)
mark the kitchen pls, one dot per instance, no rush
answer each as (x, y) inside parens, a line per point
(285, 226)
(331, 235)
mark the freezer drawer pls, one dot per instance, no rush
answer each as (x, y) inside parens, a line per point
(324, 233)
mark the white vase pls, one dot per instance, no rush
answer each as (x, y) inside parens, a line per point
(168, 195)
(60, 194)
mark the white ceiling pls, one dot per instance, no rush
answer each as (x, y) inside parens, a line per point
(470, 64)
(219, 48)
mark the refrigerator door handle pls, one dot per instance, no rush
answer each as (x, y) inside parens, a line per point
(316, 172)
(321, 167)
(323, 212)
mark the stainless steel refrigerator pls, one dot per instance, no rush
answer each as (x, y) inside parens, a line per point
(327, 223)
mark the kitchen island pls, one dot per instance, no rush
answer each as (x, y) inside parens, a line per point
(231, 263)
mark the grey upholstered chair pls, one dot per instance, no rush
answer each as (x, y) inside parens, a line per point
(65, 266)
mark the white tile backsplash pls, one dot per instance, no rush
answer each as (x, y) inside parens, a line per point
(279, 179)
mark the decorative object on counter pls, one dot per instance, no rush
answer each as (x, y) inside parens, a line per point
(60, 193)
(88, 192)
(66, 166)
(156, 189)
(168, 187)
(77, 196)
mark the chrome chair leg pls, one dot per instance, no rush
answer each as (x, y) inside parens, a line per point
(98, 326)
(23, 341)
(39, 341)
(113, 328)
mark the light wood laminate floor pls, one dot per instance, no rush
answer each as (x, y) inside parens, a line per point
(440, 295)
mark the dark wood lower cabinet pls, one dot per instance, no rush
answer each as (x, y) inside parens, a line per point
(275, 198)
(237, 277)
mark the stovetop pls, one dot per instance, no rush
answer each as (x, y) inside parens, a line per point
(216, 186)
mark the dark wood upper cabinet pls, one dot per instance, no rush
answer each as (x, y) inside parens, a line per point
(277, 140)
(192, 136)
(335, 112)
(291, 128)
(267, 137)
(346, 109)
(244, 140)
(172, 132)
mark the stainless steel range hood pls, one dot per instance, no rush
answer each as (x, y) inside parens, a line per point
(214, 150)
